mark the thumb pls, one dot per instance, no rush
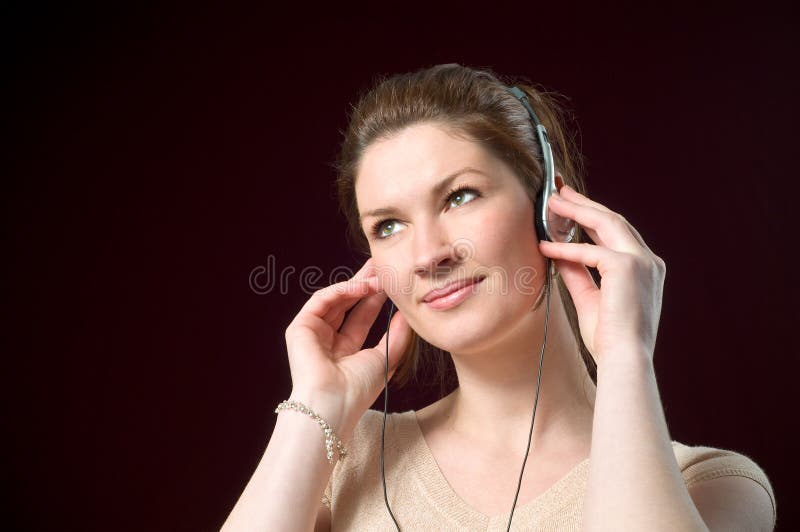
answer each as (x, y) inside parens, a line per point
(578, 280)
(399, 334)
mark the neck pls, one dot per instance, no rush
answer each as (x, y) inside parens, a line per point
(497, 387)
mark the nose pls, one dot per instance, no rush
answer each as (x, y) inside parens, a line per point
(434, 254)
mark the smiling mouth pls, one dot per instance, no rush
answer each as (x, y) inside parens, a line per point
(451, 288)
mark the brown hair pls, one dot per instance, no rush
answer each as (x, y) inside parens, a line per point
(476, 104)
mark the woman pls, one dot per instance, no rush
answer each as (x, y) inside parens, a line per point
(438, 177)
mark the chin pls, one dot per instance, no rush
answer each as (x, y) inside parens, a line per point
(456, 332)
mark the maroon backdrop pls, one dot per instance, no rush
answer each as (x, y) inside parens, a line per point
(156, 156)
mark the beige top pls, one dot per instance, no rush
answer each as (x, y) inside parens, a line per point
(422, 499)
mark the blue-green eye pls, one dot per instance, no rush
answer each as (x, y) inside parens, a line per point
(460, 193)
(379, 228)
(384, 224)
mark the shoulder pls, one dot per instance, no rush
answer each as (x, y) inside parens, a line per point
(727, 487)
(700, 464)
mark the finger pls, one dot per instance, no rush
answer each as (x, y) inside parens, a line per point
(569, 193)
(336, 315)
(399, 336)
(573, 195)
(367, 269)
(578, 280)
(606, 228)
(587, 254)
(339, 297)
(360, 320)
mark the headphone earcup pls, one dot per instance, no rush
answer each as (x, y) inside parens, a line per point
(537, 217)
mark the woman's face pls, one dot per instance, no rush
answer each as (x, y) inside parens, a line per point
(428, 236)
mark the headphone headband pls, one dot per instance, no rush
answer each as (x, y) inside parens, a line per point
(545, 229)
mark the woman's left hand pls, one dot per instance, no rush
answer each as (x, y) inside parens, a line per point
(623, 313)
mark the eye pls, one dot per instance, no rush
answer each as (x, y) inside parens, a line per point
(461, 192)
(379, 228)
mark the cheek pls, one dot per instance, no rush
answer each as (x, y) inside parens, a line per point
(505, 232)
(393, 275)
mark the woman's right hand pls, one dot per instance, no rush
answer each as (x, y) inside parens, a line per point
(326, 359)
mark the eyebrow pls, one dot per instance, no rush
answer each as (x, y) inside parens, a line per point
(435, 191)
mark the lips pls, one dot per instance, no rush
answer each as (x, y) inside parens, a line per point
(450, 287)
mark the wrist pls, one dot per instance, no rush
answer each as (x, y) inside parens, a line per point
(329, 406)
(333, 444)
(625, 359)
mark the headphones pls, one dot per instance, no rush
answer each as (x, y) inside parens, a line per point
(549, 226)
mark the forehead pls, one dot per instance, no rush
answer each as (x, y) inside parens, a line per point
(413, 161)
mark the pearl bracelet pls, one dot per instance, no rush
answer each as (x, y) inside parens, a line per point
(330, 436)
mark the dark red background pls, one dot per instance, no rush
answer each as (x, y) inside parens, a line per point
(156, 155)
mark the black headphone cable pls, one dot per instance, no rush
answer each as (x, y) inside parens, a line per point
(385, 407)
(538, 385)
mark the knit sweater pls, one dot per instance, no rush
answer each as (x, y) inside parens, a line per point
(422, 499)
